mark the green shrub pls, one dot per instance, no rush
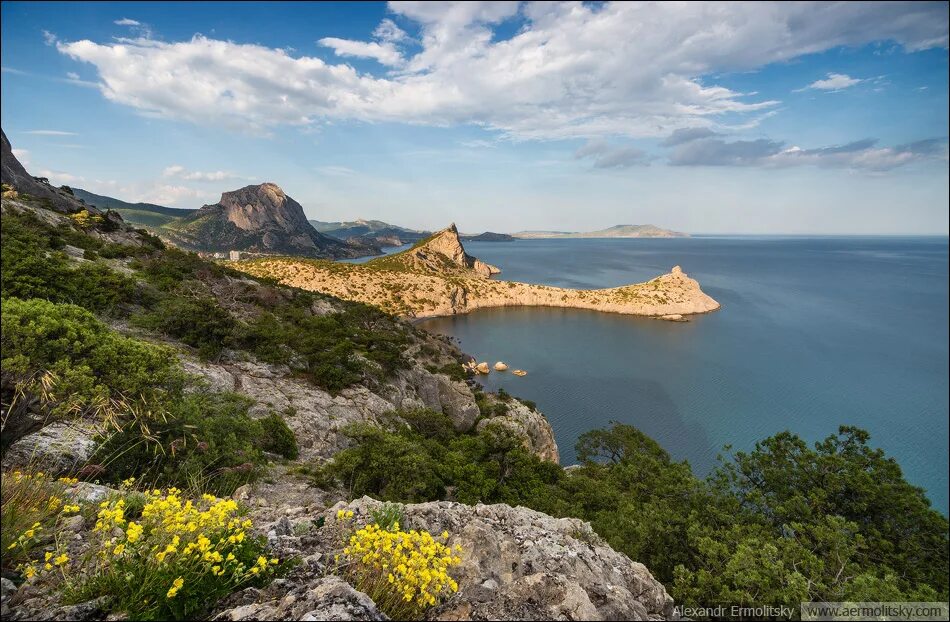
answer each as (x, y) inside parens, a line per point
(32, 267)
(276, 438)
(69, 364)
(198, 322)
(424, 456)
(168, 269)
(207, 441)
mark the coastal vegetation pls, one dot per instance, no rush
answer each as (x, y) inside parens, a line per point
(94, 331)
(783, 523)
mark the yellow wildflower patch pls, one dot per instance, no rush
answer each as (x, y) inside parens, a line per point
(405, 572)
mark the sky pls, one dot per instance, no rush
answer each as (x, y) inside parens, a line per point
(750, 118)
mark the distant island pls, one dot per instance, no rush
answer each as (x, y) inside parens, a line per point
(438, 277)
(488, 236)
(617, 231)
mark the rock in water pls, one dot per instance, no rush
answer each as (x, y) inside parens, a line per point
(520, 372)
(499, 366)
(482, 368)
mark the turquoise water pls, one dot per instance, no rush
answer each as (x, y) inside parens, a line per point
(813, 333)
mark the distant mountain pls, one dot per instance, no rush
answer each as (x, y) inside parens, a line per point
(617, 231)
(258, 219)
(488, 236)
(369, 232)
(142, 214)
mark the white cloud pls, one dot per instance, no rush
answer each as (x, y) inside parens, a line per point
(125, 21)
(49, 38)
(50, 133)
(336, 171)
(176, 170)
(23, 155)
(386, 53)
(152, 191)
(858, 155)
(833, 82)
(173, 196)
(60, 178)
(571, 70)
(604, 155)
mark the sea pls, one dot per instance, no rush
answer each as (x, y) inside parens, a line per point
(813, 333)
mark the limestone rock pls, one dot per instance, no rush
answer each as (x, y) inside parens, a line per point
(303, 597)
(317, 418)
(59, 448)
(499, 366)
(482, 368)
(518, 564)
(530, 426)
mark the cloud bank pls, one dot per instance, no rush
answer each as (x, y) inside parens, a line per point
(572, 70)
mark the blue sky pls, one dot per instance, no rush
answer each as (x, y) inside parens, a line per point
(741, 117)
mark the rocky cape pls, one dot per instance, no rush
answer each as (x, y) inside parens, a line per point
(258, 219)
(437, 278)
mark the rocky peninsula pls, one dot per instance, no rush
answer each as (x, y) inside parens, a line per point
(437, 278)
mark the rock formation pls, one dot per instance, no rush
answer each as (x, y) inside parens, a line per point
(14, 175)
(258, 219)
(517, 564)
(441, 254)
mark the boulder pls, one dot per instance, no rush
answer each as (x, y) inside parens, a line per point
(499, 366)
(305, 598)
(59, 448)
(528, 425)
(518, 564)
(482, 368)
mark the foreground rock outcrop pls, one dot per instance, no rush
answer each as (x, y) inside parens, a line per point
(517, 564)
(439, 278)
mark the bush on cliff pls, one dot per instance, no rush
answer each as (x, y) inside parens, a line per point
(781, 524)
(423, 458)
(206, 441)
(59, 361)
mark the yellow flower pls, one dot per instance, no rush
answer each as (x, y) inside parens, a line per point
(61, 559)
(29, 571)
(176, 585)
(118, 549)
(133, 532)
